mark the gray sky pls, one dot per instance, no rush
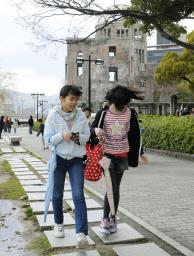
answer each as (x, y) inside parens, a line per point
(42, 71)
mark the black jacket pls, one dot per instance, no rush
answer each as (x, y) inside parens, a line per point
(133, 135)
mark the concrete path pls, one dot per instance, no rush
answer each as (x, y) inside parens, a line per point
(160, 193)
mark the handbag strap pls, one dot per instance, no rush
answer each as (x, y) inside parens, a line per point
(100, 120)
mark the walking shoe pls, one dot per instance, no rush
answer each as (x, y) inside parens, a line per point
(82, 241)
(105, 227)
(59, 231)
(113, 225)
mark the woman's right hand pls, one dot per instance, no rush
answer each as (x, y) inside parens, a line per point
(100, 134)
(67, 136)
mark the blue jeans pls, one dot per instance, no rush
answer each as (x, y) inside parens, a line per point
(76, 175)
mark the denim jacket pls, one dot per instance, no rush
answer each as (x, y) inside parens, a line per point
(54, 127)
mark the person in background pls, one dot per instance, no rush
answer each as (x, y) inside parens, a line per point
(120, 136)
(15, 125)
(31, 124)
(9, 124)
(87, 112)
(67, 131)
(142, 156)
(1, 125)
(6, 124)
(41, 131)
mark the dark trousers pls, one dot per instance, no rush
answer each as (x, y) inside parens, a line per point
(117, 167)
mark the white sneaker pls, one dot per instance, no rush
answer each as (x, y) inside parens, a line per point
(59, 231)
(105, 227)
(113, 225)
(82, 241)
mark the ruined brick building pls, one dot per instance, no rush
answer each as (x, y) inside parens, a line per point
(124, 53)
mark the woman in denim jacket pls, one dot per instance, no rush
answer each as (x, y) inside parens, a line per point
(67, 130)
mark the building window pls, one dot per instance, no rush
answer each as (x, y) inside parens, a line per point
(113, 74)
(79, 69)
(142, 56)
(79, 53)
(126, 33)
(122, 32)
(135, 32)
(105, 32)
(112, 51)
(109, 32)
(118, 32)
(66, 70)
(141, 83)
(140, 34)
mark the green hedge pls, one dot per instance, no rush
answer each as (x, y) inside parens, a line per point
(36, 126)
(168, 133)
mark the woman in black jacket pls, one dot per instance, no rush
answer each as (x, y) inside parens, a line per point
(120, 135)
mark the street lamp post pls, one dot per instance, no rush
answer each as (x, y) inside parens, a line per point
(97, 61)
(36, 96)
(41, 103)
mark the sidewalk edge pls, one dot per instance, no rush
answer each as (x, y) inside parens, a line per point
(179, 247)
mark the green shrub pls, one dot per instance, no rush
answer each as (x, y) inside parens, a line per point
(169, 133)
(36, 126)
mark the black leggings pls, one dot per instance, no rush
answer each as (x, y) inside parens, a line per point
(116, 180)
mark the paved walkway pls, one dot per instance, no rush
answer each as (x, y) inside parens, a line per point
(160, 193)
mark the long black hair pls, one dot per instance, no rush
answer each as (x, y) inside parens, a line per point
(120, 96)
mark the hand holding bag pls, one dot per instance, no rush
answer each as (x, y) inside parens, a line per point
(93, 170)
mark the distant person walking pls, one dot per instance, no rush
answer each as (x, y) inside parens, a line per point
(15, 125)
(9, 124)
(41, 131)
(6, 123)
(31, 124)
(1, 125)
(87, 112)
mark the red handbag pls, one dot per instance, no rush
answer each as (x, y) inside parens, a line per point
(93, 170)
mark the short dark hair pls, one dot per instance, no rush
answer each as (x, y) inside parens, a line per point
(87, 109)
(70, 90)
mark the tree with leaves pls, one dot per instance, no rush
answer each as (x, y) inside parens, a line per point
(177, 68)
(163, 15)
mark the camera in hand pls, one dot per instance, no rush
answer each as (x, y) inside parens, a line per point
(75, 137)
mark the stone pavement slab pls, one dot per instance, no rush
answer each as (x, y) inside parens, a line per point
(41, 168)
(31, 182)
(20, 169)
(19, 149)
(23, 173)
(38, 207)
(86, 253)
(68, 220)
(41, 196)
(147, 249)
(96, 215)
(90, 203)
(68, 241)
(26, 177)
(125, 233)
(18, 165)
(35, 188)
(6, 150)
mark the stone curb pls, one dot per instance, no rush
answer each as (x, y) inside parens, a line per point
(179, 247)
(171, 154)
